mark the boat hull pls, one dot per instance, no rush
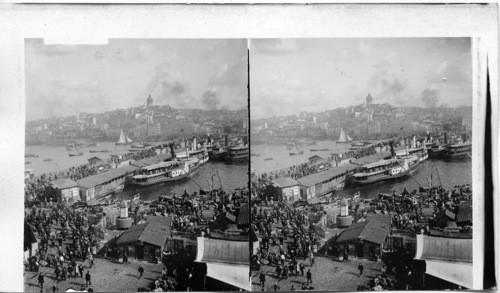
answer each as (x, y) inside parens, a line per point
(160, 179)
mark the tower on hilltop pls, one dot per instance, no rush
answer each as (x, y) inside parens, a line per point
(369, 100)
(149, 101)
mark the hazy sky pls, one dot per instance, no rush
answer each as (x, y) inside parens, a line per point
(66, 80)
(293, 75)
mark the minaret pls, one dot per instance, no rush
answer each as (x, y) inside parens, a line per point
(149, 101)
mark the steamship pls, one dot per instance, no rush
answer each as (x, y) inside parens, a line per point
(237, 154)
(384, 170)
(165, 172)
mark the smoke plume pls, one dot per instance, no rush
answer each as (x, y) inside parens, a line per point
(210, 100)
(430, 98)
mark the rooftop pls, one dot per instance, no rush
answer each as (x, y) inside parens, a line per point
(370, 230)
(150, 233)
(283, 182)
(64, 183)
(91, 181)
(325, 175)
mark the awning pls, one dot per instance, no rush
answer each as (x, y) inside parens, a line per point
(235, 275)
(456, 273)
(449, 259)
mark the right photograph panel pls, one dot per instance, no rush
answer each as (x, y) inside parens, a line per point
(361, 164)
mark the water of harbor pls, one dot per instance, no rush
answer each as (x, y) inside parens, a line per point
(451, 173)
(232, 176)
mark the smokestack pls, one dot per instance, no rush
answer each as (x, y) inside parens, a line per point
(225, 140)
(393, 152)
(245, 140)
(195, 146)
(464, 137)
(428, 137)
(414, 144)
(445, 138)
(172, 151)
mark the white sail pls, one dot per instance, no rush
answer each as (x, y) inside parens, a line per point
(129, 140)
(344, 137)
(122, 139)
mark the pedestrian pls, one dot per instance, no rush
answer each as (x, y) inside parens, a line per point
(360, 268)
(87, 279)
(141, 271)
(80, 269)
(292, 288)
(302, 268)
(346, 255)
(276, 286)
(262, 279)
(57, 272)
(40, 281)
(309, 276)
(54, 288)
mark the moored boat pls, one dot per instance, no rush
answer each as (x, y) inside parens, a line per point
(384, 170)
(75, 155)
(237, 154)
(217, 153)
(268, 159)
(320, 150)
(297, 153)
(459, 150)
(164, 172)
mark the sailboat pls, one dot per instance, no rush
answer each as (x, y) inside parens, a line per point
(344, 138)
(123, 140)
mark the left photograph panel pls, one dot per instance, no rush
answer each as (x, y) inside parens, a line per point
(136, 166)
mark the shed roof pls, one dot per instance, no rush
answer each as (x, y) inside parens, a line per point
(283, 182)
(243, 216)
(91, 181)
(95, 159)
(370, 230)
(150, 233)
(64, 183)
(313, 179)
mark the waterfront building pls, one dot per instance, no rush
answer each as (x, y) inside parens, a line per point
(325, 182)
(365, 239)
(144, 241)
(95, 161)
(104, 183)
(288, 189)
(66, 190)
(315, 159)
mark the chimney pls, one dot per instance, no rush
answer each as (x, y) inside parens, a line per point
(172, 151)
(393, 152)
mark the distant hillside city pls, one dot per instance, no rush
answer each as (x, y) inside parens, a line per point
(147, 122)
(365, 121)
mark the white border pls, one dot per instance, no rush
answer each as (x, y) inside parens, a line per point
(91, 24)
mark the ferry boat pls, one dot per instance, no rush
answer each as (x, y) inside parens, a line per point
(297, 153)
(437, 151)
(99, 151)
(420, 152)
(383, 170)
(459, 150)
(238, 154)
(164, 172)
(217, 153)
(200, 155)
(344, 138)
(76, 155)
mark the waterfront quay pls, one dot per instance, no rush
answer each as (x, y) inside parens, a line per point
(80, 227)
(314, 233)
